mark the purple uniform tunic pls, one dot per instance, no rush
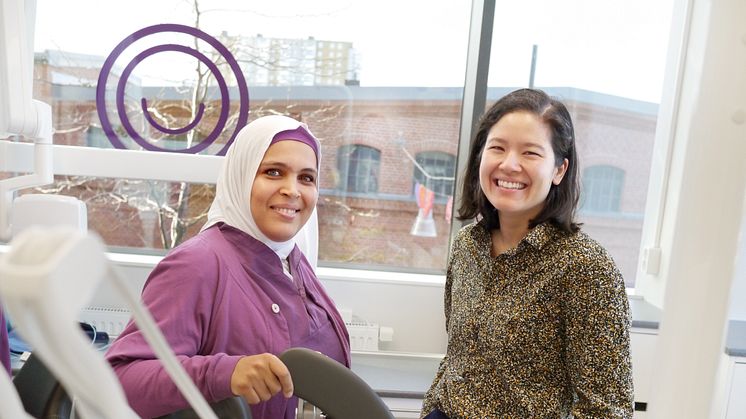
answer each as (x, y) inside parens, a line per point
(4, 348)
(217, 297)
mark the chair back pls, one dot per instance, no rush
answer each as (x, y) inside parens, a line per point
(332, 387)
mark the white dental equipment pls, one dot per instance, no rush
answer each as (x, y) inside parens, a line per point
(45, 278)
(19, 113)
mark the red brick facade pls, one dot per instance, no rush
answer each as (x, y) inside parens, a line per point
(361, 229)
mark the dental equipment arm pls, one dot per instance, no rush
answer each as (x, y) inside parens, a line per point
(19, 113)
(45, 278)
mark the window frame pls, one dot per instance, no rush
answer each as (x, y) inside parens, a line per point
(177, 167)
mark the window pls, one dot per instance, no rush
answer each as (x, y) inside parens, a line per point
(365, 207)
(420, 100)
(602, 189)
(614, 121)
(358, 167)
(436, 171)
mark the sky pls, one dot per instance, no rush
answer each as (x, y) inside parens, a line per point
(610, 46)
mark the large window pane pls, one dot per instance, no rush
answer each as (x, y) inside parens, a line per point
(147, 215)
(605, 60)
(373, 90)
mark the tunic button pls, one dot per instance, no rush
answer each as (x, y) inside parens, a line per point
(275, 308)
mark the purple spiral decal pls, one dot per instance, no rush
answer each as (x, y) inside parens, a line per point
(243, 109)
(156, 125)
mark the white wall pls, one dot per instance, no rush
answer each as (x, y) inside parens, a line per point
(411, 304)
(415, 311)
(703, 207)
(738, 290)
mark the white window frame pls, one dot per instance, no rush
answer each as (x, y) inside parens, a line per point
(177, 167)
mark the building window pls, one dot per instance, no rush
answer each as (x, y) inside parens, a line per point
(615, 112)
(436, 171)
(602, 189)
(358, 167)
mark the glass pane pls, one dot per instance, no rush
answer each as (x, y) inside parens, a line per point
(137, 215)
(605, 60)
(355, 72)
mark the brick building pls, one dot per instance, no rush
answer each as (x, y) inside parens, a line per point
(371, 138)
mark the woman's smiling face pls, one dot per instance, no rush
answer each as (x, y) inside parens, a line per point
(517, 168)
(285, 190)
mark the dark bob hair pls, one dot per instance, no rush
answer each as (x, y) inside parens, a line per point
(562, 200)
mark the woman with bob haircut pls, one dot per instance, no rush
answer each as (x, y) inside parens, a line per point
(536, 311)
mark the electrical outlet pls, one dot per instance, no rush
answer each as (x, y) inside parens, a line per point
(109, 320)
(363, 336)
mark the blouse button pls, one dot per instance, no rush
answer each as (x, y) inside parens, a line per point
(275, 308)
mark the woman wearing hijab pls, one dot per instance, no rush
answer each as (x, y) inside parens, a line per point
(240, 292)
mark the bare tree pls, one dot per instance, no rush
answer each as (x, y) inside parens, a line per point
(144, 213)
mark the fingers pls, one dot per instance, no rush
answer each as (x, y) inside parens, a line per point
(259, 377)
(250, 396)
(282, 374)
(261, 390)
(273, 385)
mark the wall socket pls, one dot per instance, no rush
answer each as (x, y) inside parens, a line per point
(109, 320)
(363, 336)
